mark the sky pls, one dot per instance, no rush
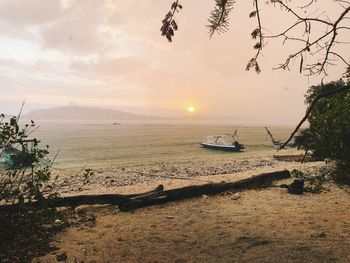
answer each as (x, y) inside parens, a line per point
(110, 54)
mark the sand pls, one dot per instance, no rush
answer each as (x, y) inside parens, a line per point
(267, 225)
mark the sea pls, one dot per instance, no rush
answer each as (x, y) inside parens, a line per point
(91, 144)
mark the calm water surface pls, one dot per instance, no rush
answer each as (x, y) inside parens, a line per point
(106, 144)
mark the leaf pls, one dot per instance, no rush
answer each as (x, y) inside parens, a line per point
(255, 33)
(219, 16)
(13, 121)
(252, 14)
(168, 36)
(257, 67)
(174, 25)
(250, 64)
(257, 45)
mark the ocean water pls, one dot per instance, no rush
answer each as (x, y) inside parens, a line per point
(104, 144)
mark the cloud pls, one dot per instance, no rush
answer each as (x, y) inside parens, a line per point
(110, 67)
(29, 12)
(78, 29)
(110, 52)
(73, 27)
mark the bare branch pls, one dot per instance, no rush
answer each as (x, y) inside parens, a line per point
(319, 35)
(20, 111)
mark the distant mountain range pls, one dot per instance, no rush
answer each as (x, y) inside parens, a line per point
(85, 113)
(80, 113)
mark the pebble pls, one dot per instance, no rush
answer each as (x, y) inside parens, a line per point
(58, 222)
(132, 175)
(61, 256)
(236, 196)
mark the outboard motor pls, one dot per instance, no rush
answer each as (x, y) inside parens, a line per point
(238, 145)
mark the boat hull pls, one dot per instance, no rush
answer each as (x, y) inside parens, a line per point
(15, 157)
(7, 158)
(227, 148)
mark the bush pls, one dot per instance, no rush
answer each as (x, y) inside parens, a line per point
(29, 179)
(328, 135)
(24, 185)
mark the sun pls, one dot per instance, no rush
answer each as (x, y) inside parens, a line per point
(191, 109)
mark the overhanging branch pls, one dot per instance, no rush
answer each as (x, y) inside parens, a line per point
(309, 109)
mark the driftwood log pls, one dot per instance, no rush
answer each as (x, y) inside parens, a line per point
(296, 158)
(159, 196)
(73, 201)
(113, 199)
(258, 181)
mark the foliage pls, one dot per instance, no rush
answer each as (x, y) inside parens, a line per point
(23, 186)
(297, 174)
(88, 173)
(219, 16)
(328, 135)
(169, 25)
(29, 180)
(313, 184)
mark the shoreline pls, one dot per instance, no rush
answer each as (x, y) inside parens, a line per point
(133, 178)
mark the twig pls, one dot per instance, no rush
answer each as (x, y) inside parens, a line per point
(20, 111)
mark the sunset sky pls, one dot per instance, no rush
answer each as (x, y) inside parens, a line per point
(110, 54)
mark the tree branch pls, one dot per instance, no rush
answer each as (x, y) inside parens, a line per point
(313, 103)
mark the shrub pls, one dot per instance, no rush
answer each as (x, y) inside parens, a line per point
(328, 134)
(24, 185)
(29, 179)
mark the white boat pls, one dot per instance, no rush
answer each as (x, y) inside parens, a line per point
(226, 142)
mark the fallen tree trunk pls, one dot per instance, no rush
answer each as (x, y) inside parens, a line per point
(259, 181)
(113, 199)
(296, 158)
(158, 195)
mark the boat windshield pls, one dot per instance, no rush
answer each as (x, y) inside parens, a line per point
(226, 139)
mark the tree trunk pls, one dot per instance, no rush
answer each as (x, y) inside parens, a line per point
(159, 196)
(259, 181)
(113, 199)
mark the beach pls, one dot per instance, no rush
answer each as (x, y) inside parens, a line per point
(120, 178)
(264, 225)
(261, 225)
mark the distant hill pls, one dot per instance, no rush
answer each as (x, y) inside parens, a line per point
(85, 113)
